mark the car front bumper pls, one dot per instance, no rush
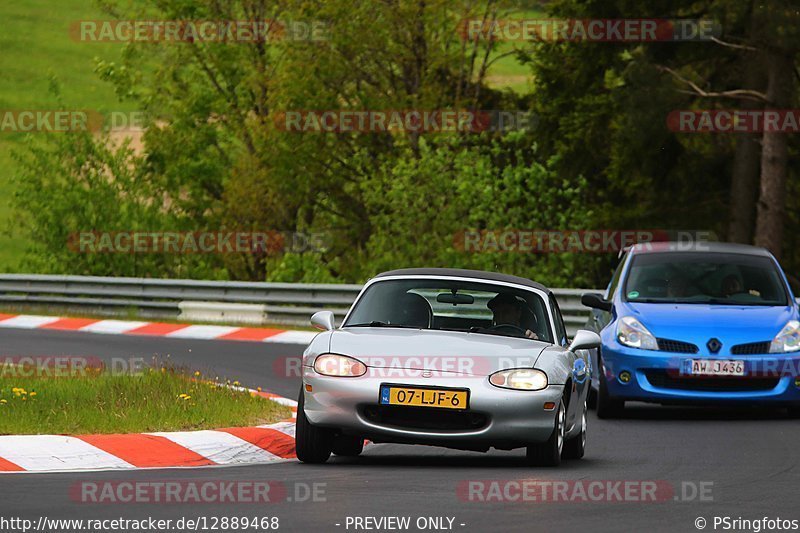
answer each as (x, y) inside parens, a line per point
(499, 418)
(657, 376)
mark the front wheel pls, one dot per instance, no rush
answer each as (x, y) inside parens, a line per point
(575, 447)
(549, 453)
(312, 444)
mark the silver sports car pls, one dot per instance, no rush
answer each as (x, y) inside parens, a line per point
(456, 358)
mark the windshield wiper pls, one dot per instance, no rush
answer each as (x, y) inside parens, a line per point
(707, 301)
(736, 303)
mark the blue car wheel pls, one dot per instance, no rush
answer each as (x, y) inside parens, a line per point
(607, 407)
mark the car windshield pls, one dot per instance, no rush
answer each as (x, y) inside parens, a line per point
(704, 278)
(451, 305)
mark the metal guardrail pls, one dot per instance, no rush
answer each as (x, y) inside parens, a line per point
(253, 302)
(573, 311)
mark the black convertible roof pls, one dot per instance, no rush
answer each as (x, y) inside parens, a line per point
(464, 273)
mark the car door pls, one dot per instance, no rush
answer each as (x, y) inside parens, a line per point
(602, 318)
(599, 319)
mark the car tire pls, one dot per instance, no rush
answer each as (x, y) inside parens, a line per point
(549, 453)
(347, 446)
(607, 407)
(591, 398)
(312, 444)
(575, 447)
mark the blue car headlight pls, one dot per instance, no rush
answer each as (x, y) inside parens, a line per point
(788, 340)
(631, 332)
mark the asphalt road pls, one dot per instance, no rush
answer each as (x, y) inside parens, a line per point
(744, 462)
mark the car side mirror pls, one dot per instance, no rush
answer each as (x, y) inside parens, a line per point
(596, 301)
(584, 340)
(323, 320)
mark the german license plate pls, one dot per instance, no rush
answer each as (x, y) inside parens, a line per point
(424, 397)
(715, 367)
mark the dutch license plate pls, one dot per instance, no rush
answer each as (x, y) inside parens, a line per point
(424, 397)
(715, 367)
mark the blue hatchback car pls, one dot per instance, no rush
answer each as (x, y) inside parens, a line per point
(701, 323)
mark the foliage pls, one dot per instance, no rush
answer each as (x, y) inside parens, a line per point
(217, 157)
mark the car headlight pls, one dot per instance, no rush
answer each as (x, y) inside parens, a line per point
(519, 379)
(340, 366)
(631, 332)
(788, 340)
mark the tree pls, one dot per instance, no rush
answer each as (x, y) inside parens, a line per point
(782, 42)
(604, 106)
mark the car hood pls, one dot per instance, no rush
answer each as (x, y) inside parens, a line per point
(731, 324)
(443, 351)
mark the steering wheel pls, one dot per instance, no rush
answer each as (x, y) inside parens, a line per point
(508, 328)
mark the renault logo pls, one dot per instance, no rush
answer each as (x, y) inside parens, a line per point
(714, 345)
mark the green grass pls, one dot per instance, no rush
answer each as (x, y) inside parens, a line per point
(36, 46)
(97, 402)
(507, 72)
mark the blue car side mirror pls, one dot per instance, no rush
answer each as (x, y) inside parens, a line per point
(595, 301)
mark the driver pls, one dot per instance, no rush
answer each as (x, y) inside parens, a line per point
(731, 285)
(507, 310)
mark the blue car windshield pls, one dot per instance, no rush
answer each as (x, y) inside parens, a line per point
(704, 278)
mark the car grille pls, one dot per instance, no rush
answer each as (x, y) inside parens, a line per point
(424, 418)
(667, 345)
(751, 348)
(663, 380)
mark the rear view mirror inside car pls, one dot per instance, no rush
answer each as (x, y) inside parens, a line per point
(455, 299)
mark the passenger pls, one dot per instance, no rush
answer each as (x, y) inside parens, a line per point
(677, 288)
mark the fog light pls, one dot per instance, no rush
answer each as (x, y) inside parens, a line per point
(549, 406)
(625, 376)
(797, 382)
